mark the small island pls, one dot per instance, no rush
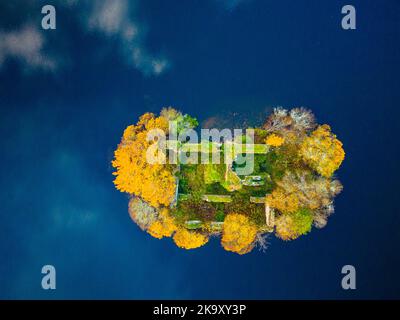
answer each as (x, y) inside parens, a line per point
(277, 178)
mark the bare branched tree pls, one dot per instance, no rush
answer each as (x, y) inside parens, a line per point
(262, 241)
(278, 120)
(299, 120)
(312, 193)
(303, 119)
(142, 213)
(321, 215)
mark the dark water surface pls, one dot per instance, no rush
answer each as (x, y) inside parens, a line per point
(59, 130)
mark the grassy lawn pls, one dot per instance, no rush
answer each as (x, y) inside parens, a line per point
(213, 147)
(183, 197)
(255, 148)
(205, 146)
(217, 198)
(261, 148)
(193, 224)
(260, 200)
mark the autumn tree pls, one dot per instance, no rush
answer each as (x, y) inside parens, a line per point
(283, 201)
(164, 226)
(321, 215)
(186, 239)
(299, 120)
(323, 151)
(298, 167)
(153, 182)
(142, 213)
(302, 189)
(302, 119)
(278, 120)
(291, 226)
(274, 140)
(238, 233)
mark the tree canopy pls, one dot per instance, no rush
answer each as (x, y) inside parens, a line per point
(186, 239)
(291, 226)
(322, 151)
(291, 189)
(238, 233)
(154, 183)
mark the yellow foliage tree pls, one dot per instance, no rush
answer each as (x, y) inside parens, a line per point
(155, 183)
(323, 151)
(274, 140)
(302, 190)
(186, 239)
(163, 227)
(281, 200)
(284, 229)
(238, 233)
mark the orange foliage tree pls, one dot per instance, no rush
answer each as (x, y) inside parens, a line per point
(154, 183)
(323, 151)
(238, 233)
(186, 239)
(281, 200)
(163, 227)
(274, 140)
(301, 171)
(302, 190)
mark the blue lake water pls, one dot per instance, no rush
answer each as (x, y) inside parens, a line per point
(59, 130)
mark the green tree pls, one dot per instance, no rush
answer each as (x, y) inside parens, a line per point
(293, 225)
